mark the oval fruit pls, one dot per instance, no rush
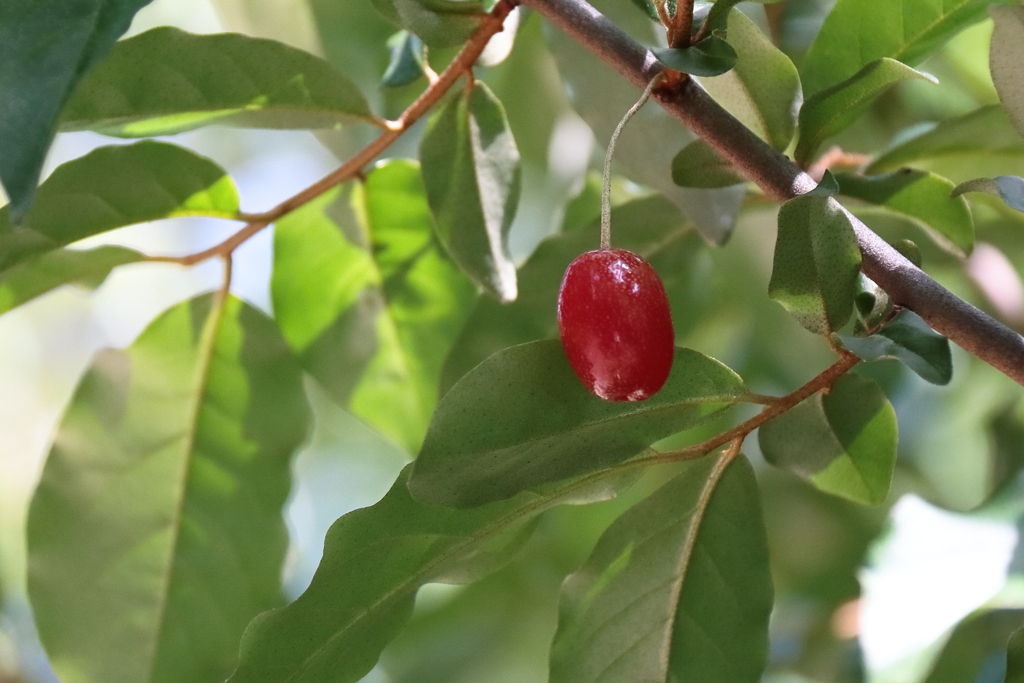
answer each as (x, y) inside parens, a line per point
(614, 319)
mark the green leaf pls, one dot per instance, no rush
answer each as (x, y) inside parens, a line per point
(924, 197)
(816, 264)
(860, 31)
(543, 425)
(440, 23)
(712, 56)
(1015, 658)
(111, 187)
(976, 641)
(472, 176)
(1009, 188)
(167, 81)
(829, 111)
(156, 529)
(908, 338)
(407, 57)
(35, 277)
(677, 589)
(985, 132)
(46, 47)
(374, 561)
(843, 442)
(1005, 56)
(371, 314)
(763, 89)
(721, 14)
(697, 165)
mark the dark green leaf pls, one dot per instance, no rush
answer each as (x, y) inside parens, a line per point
(829, 111)
(908, 339)
(167, 81)
(46, 47)
(697, 165)
(407, 57)
(1015, 658)
(372, 322)
(926, 198)
(440, 23)
(46, 272)
(472, 175)
(763, 89)
(712, 56)
(874, 305)
(968, 654)
(859, 31)
(116, 186)
(374, 561)
(827, 187)
(985, 132)
(817, 261)
(843, 442)
(486, 444)
(677, 589)
(156, 529)
(1005, 56)
(1009, 188)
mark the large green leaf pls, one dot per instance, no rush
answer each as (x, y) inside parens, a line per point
(908, 339)
(817, 261)
(859, 31)
(167, 81)
(440, 23)
(677, 589)
(472, 175)
(763, 89)
(46, 47)
(919, 195)
(1005, 58)
(112, 187)
(829, 111)
(371, 308)
(486, 444)
(374, 561)
(844, 442)
(156, 532)
(46, 272)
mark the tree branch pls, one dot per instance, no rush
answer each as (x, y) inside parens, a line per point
(781, 179)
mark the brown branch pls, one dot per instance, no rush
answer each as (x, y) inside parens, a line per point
(782, 180)
(490, 24)
(682, 24)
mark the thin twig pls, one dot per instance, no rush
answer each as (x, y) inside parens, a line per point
(682, 24)
(490, 24)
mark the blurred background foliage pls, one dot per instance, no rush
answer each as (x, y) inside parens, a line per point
(959, 445)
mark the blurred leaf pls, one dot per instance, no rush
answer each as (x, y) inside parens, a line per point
(374, 561)
(472, 176)
(440, 23)
(843, 442)
(1015, 657)
(816, 264)
(720, 15)
(829, 111)
(969, 652)
(48, 271)
(924, 197)
(677, 589)
(46, 47)
(986, 131)
(697, 165)
(1005, 57)
(860, 31)
(908, 339)
(111, 187)
(167, 81)
(372, 322)
(1009, 188)
(648, 8)
(485, 445)
(763, 90)
(712, 56)
(407, 58)
(156, 532)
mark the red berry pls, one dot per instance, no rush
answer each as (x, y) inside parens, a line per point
(615, 323)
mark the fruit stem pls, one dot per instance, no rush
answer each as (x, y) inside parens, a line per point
(606, 190)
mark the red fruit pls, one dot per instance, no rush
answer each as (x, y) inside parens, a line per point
(615, 323)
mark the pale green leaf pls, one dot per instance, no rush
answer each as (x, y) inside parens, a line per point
(677, 589)
(156, 532)
(843, 441)
(167, 81)
(440, 23)
(697, 165)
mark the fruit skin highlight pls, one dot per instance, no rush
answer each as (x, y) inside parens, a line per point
(615, 323)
